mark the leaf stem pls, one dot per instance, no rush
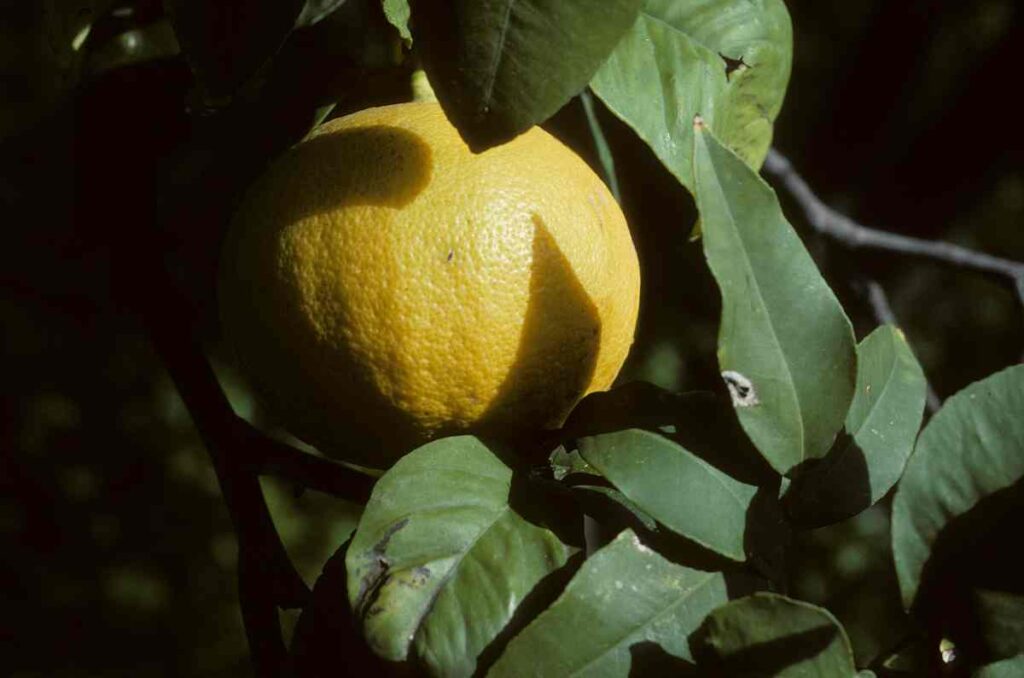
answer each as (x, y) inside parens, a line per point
(604, 151)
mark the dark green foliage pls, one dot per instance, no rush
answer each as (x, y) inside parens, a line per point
(652, 533)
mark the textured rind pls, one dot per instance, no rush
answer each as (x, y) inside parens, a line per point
(383, 285)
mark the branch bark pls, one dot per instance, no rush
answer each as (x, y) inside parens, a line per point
(267, 579)
(849, 233)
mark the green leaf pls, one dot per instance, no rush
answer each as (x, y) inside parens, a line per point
(771, 635)
(971, 450)
(591, 495)
(440, 561)
(397, 12)
(625, 595)
(324, 635)
(227, 41)
(1006, 668)
(676, 487)
(500, 67)
(40, 58)
(637, 404)
(313, 11)
(785, 346)
(672, 65)
(1001, 621)
(882, 425)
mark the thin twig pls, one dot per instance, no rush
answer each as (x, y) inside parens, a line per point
(268, 456)
(266, 577)
(848, 232)
(604, 152)
(879, 302)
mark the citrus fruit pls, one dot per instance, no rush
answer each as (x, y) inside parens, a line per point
(382, 285)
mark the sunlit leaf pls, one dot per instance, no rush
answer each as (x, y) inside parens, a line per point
(970, 451)
(440, 560)
(726, 60)
(625, 596)
(676, 487)
(785, 346)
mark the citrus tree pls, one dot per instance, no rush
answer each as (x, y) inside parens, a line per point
(614, 527)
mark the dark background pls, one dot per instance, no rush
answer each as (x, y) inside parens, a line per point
(118, 555)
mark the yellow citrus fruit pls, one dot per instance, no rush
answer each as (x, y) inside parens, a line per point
(382, 285)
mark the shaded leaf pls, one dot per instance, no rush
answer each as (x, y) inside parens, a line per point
(40, 62)
(703, 422)
(599, 493)
(882, 425)
(500, 67)
(313, 11)
(227, 41)
(637, 404)
(140, 43)
(972, 449)
(440, 560)
(771, 635)
(785, 346)
(623, 596)
(1006, 668)
(397, 12)
(676, 487)
(325, 635)
(1001, 621)
(910, 658)
(568, 462)
(726, 60)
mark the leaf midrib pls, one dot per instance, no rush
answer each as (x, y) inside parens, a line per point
(452, 571)
(651, 620)
(492, 75)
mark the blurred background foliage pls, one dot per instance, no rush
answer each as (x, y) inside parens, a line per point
(119, 556)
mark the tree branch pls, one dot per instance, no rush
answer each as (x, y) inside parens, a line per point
(267, 579)
(848, 232)
(273, 457)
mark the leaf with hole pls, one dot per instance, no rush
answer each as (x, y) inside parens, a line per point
(440, 560)
(971, 451)
(771, 635)
(624, 597)
(785, 346)
(500, 67)
(726, 60)
(881, 426)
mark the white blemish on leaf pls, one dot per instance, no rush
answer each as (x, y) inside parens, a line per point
(741, 389)
(639, 545)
